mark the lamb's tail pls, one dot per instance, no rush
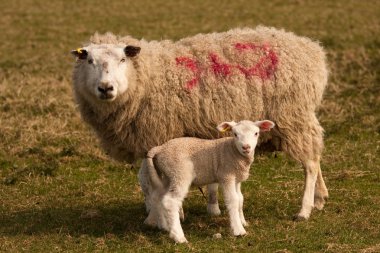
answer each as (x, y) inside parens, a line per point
(154, 177)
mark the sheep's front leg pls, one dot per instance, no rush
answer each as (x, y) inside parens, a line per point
(213, 205)
(231, 199)
(241, 201)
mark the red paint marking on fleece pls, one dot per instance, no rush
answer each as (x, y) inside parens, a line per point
(266, 65)
(219, 68)
(192, 65)
(264, 68)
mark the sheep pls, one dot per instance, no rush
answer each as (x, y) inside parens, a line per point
(138, 94)
(178, 163)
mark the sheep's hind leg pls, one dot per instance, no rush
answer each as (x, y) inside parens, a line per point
(213, 205)
(231, 199)
(311, 173)
(321, 192)
(304, 142)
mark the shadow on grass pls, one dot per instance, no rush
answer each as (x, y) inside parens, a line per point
(110, 218)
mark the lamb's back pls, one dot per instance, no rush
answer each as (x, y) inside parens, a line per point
(190, 158)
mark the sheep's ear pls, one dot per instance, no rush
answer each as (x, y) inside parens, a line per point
(131, 51)
(226, 126)
(80, 53)
(265, 125)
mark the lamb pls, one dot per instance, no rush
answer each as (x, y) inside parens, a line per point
(180, 162)
(123, 85)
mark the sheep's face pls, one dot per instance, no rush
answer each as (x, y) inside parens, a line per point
(106, 68)
(246, 134)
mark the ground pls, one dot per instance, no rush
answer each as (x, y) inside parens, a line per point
(60, 192)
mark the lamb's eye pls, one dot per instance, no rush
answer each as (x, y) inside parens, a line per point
(235, 134)
(256, 134)
(122, 60)
(90, 61)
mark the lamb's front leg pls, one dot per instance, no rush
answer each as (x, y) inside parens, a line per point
(213, 205)
(241, 201)
(231, 199)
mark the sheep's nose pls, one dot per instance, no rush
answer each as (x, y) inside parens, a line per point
(246, 147)
(104, 88)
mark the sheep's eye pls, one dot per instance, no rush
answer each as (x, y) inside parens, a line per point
(235, 134)
(122, 60)
(90, 61)
(256, 134)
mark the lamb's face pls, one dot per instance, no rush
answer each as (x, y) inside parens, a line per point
(106, 68)
(246, 134)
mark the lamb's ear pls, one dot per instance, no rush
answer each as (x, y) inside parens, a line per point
(226, 126)
(265, 125)
(131, 51)
(80, 53)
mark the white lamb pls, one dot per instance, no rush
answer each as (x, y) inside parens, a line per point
(175, 165)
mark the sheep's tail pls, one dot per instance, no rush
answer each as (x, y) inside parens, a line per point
(154, 177)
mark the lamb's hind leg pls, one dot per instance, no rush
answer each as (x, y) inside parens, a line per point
(145, 184)
(153, 216)
(170, 213)
(213, 205)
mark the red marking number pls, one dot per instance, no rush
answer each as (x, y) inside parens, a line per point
(192, 65)
(264, 68)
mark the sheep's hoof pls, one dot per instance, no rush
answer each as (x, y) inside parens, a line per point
(299, 217)
(319, 202)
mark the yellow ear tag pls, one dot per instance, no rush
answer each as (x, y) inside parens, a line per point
(225, 130)
(79, 50)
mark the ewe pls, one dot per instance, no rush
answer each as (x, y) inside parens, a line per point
(123, 86)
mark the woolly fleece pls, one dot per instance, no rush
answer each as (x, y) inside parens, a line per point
(218, 80)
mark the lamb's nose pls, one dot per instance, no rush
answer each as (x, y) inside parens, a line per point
(246, 147)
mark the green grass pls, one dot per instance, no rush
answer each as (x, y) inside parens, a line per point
(59, 192)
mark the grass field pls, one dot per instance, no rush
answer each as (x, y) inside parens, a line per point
(60, 193)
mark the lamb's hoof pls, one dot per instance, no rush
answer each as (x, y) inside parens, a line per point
(300, 217)
(241, 232)
(181, 214)
(150, 222)
(182, 240)
(177, 239)
(213, 209)
(245, 224)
